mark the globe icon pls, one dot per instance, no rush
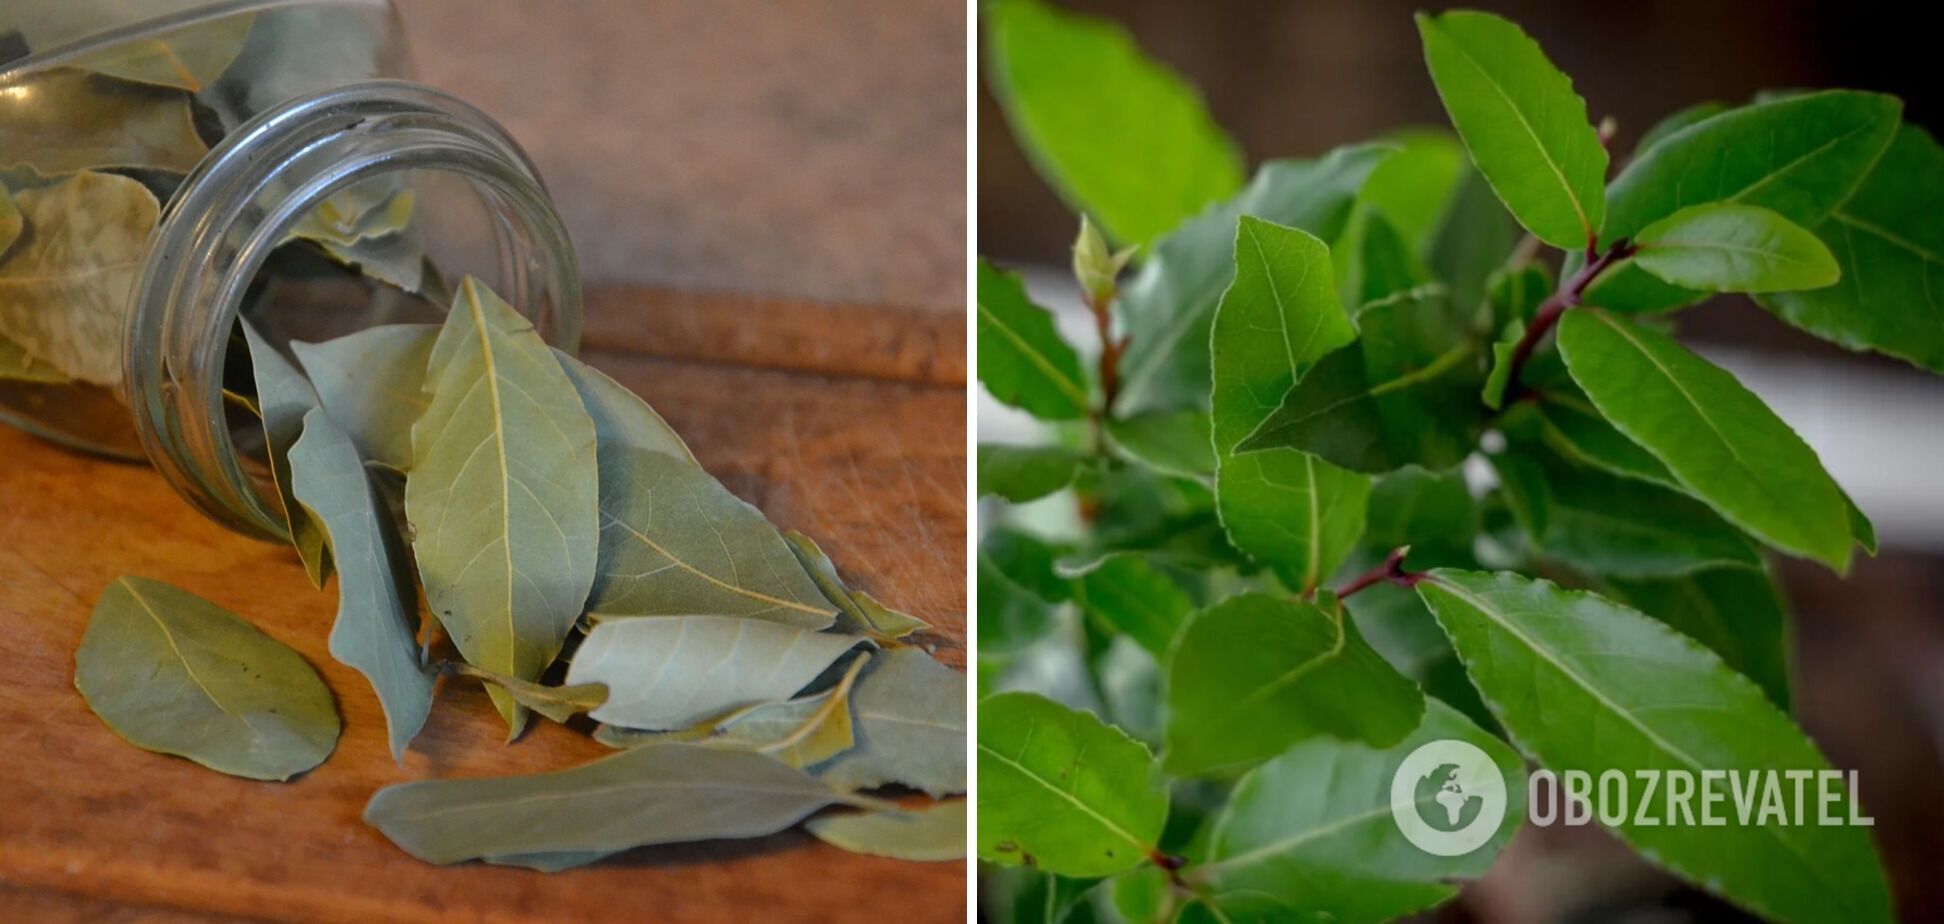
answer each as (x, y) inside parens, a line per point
(1442, 802)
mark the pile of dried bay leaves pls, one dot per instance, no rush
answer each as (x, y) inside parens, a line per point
(551, 516)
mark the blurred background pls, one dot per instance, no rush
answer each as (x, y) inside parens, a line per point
(1297, 78)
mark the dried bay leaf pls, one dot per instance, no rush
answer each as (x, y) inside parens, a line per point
(373, 385)
(909, 715)
(64, 286)
(376, 631)
(932, 833)
(502, 492)
(171, 672)
(68, 121)
(674, 541)
(621, 418)
(659, 794)
(556, 703)
(283, 400)
(857, 611)
(20, 366)
(10, 223)
(800, 732)
(672, 672)
(189, 58)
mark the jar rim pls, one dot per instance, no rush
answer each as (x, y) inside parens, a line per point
(236, 206)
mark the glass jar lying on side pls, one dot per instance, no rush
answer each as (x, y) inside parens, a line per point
(170, 166)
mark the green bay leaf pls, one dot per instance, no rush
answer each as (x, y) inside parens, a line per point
(674, 671)
(1023, 361)
(1169, 442)
(1722, 247)
(64, 286)
(1291, 511)
(171, 672)
(932, 833)
(1025, 473)
(1061, 791)
(502, 492)
(1738, 613)
(1586, 684)
(1136, 597)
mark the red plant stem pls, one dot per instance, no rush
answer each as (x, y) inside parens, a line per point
(1568, 296)
(1390, 570)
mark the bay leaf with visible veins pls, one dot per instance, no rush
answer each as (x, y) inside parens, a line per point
(502, 492)
(376, 631)
(79, 122)
(674, 541)
(373, 385)
(672, 672)
(659, 794)
(800, 732)
(621, 418)
(909, 717)
(857, 611)
(283, 400)
(932, 833)
(64, 285)
(171, 672)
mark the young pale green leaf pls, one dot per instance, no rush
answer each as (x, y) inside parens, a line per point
(1715, 436)
(1799, 157)
(284, 398)
(1310, 830)
(78, 124)
(932, 833)
(1254, 674)
(171, 672)
(1525, 126)
(1589, 685)
(622, 420)
(1025, 473)
(1279, 315)
(908, 718)
(1131, 593)
(1609, 525)
(1291, 511)
(1169, 305)
(64, 286)
(1405, 393)
(1117, 134)
(1738, 613)
(1169, 442)
(1414, 186)
(502, 492)
(674, 541)
(857, 612)
(1062, 791)
(674, 671)
(1724, 247)
(1890, 245)
(373, 385)
(657, 794)
(1373, 260)
(376, 631)
(1022, 359)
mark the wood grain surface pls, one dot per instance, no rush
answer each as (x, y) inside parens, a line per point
(871, 464)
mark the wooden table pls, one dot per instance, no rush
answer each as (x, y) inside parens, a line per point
(847, 422)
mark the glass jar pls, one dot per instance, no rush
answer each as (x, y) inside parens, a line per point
(170, 166)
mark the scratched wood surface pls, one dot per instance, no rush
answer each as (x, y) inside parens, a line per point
(866, 453)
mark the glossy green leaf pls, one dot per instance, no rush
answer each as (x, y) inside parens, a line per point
(1722, 247)
(1473, 240)
(1279, 315)
(674, 541)
(64, 286)
(1022, 359)
(1312, 829)
(1118, 135)
(1011, 616)
(1512, 298)
(1738, 613)
(1025, 473)
(674, 671)
(372, 383)
(1373, 260)
(932, 833)
(858, 613)
(1413, 187)
(1525, 126)
(1169, 442)
(1168, 307)
(1063, 792)
(908, 717)
(1291, 511)
(1405, 393)
(501, 493)
(1674, 122)
(1136, 597)
(284, 398)
(1254, 674)
(1429, 511)
(1717, 438)
(79, 123)
(171, 672)
(659, 794)
(376, 631)
(1586, 684)
(1799, 157)
(1888, 242)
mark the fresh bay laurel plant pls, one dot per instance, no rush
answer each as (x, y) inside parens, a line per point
(580, 564)
(1394, 445)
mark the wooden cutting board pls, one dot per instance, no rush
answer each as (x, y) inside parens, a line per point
(853, 433)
